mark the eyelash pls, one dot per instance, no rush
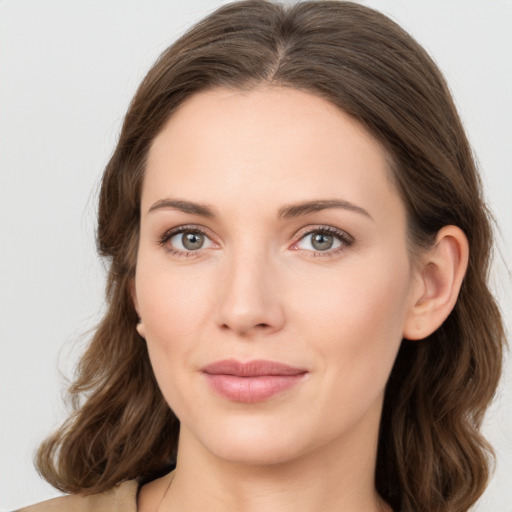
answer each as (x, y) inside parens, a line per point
(345, 239)
(164, 239)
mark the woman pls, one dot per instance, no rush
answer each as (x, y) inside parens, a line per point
(298, 310)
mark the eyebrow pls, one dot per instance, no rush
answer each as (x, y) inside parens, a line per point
(203, 210)
(286, 212)
(296, 210)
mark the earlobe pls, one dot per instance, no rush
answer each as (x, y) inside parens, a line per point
(140, 326)
(141, 329)
(439, 279)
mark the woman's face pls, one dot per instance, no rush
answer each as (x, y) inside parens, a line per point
(273, 279)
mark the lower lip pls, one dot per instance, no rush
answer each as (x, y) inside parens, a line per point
(252, 389)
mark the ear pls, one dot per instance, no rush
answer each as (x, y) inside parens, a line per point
(140, 326)
(438, 280)
(141, 329)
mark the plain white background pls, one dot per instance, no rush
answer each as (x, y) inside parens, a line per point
(67, 72)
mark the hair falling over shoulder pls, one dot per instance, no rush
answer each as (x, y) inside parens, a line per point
(431, 456)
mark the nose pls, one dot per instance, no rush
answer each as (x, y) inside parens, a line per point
(249, 295)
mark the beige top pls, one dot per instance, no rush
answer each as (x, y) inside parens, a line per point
(122, 498)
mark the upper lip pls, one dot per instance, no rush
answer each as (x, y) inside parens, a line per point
(254, 368)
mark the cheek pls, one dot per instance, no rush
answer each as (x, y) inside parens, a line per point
(355, 318)
(172, 304)
(355, 329)
(173, 307)
(369, 296)
(171, 311)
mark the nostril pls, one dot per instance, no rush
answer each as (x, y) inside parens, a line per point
(260, 326)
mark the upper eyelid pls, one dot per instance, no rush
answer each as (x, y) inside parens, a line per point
(184, 228)
(319, 228)
(302, 231)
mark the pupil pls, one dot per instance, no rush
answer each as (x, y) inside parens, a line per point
(322, 241)
(192, 241)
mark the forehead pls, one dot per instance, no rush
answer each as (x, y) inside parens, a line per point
(269, 144)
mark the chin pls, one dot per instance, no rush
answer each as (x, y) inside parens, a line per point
(251, 441)
(261, 452)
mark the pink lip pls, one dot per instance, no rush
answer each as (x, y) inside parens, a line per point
(254, 381)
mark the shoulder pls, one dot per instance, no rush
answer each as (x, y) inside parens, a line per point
(122, 498)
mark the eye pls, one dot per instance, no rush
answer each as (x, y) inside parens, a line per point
(181, 241)
(325, 239)
(188, 241)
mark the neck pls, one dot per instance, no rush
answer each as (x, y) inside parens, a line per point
(337, 476)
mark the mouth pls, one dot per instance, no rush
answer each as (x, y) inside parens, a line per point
(253, 381)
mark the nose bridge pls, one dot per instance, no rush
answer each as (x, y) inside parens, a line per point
(250, 297)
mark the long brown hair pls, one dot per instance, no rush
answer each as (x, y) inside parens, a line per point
(431, 455)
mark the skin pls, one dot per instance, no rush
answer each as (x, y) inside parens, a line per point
(260, 289)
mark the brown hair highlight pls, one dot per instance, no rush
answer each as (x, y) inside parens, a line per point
(431, 454)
